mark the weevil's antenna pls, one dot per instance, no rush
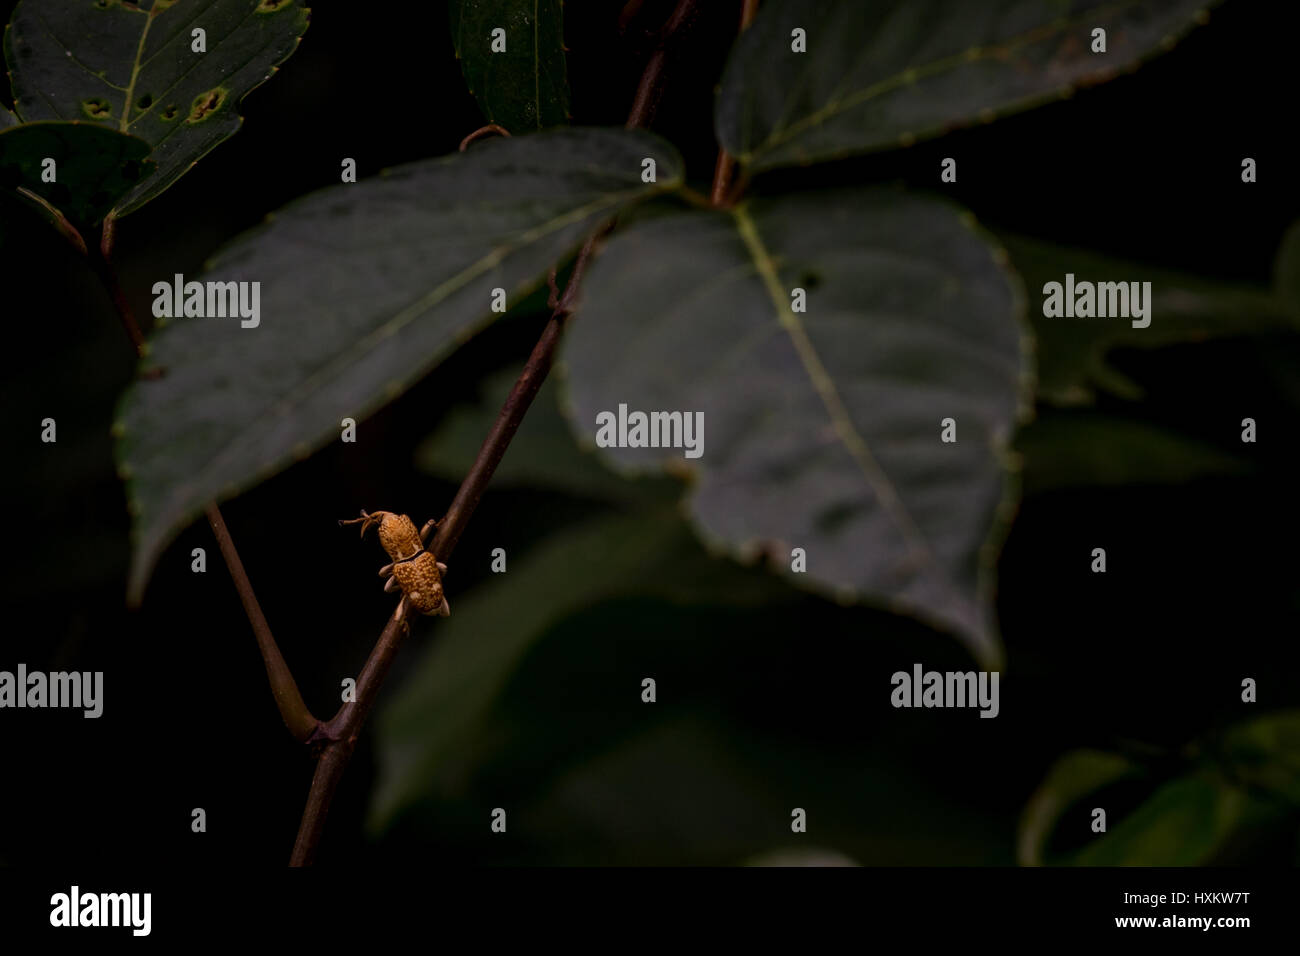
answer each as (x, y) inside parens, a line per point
(366, 520)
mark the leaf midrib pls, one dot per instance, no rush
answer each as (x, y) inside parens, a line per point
(854, 443)
(124, 124)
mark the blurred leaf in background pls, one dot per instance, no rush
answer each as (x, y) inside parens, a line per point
(1071, 352)
(1237, 786)
(541, 455)
(1080, 448)
(643, 548)
(532, 697)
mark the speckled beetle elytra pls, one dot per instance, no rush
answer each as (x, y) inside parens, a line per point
(414, 570)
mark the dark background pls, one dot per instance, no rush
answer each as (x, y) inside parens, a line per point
(1199, 593)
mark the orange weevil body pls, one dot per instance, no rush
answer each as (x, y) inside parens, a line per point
(416, 571)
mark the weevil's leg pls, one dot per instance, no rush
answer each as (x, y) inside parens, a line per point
(400, 617)
(391, 585)
(428, 529)
(386, 570)
(445, 610)
(441, 566)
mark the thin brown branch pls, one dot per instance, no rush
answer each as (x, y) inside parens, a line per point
(296, 716)
(293, 710)
(488, 130)
(503, 430)
(722, 170)
(553, 295)
(721, 178)
(650, 88)
(342, 730)
(103, 266)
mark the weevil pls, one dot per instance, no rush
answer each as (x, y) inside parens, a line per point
(413, 570)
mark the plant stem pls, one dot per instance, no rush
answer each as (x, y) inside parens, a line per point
(649, 89)
(722, 170)
(296, 716)
(491, 129)
(293, 710)
(103, 266)
(342, 730)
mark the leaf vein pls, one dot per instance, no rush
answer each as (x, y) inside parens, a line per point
(824, 385)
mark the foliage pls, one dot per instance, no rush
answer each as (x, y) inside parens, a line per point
(823, 420)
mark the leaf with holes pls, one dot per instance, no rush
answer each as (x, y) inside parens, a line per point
(93, 167)
(883, 74)
(134, 67)
(517, 75)
(363, 289)
(821, 428)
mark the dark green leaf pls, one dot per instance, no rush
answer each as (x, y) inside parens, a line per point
(881, 74)
(1078, 449)
(1245, 780)
(1184, 308)
(1265, 753)
(1286, 272)
(1069, 780)
(822, 429)
(707, 774)
(131, 67)
(93, 166)
(364, 288)
(542, 454)
(523, 88)
(426, 731)
(1183, 824)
